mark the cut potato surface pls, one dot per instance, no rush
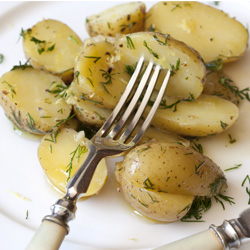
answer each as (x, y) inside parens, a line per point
(62, 154)
(187, 68)
(51, 45)
(98, 76)
(32, 100)
(124, 18)
(207, 115)
(105, 66)
(208, 30)
(86, 110)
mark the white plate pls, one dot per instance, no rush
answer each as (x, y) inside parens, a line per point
(103, 221)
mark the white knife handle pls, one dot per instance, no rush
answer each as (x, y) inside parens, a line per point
(206, 240)
(49, 236)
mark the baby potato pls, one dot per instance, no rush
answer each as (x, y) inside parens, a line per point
(105, 66)
(218, 83)
(33, 100)
(172, 168)
(208, 30)
(124, 18)
(207, 115)
(62, 153)
(53, 46)
(86, 110)
(98, 75)
(161, 179)
(187, 67)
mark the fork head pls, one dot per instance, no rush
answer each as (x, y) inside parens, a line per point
(115, 133)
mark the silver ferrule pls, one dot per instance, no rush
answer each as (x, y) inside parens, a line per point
(230, 234)
(63, 211)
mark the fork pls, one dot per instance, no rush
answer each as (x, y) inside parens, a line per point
(111, 139)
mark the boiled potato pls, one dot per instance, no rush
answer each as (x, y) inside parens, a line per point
(33, 100)
(154, 173)
(187, 68)
(207, 115)
(61, 154)
(218, 83)
(124, 18)
(85, 109)
(105, 66)
(208, 30)
(53, 46)
(97, 75)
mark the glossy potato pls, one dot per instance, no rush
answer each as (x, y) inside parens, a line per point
(154, 173)
(33, 101)
(207, 115)
(53, 46)
(124, 18)
(208, 30)
(105, 66)
(98, 75)
(187, 67)
(61, 154)
(87, 110)
(156, 205)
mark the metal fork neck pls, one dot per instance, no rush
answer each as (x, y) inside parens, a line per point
(231, 234)
(64, 209)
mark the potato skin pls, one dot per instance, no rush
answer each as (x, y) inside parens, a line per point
(160, 180)
(171, 168)
(219, 84)
(124, 18)
(208, 30)
(158, 206)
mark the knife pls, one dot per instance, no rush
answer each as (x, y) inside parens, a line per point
(232, 234)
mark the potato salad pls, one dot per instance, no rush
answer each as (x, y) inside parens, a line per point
(75, 84)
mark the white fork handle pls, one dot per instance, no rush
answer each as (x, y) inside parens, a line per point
(206, 240)
(49, 236)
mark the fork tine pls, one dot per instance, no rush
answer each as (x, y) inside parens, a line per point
(106, 126)
(133, 102)
(143, 104)
(150, 115)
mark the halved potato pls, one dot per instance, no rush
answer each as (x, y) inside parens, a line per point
(33, 100)
(105, 66)
(98, 75)
(124, 18)
(53, 46)
(187, 68)
(61, 154)
(207, 115)
(208, 30)
(86, 110)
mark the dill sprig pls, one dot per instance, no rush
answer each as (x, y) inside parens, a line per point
(76, 154)
(242, 94)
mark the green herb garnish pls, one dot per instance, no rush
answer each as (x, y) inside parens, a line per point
(150, 50)
(1, 58)
(97, 58)
(130, 43)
